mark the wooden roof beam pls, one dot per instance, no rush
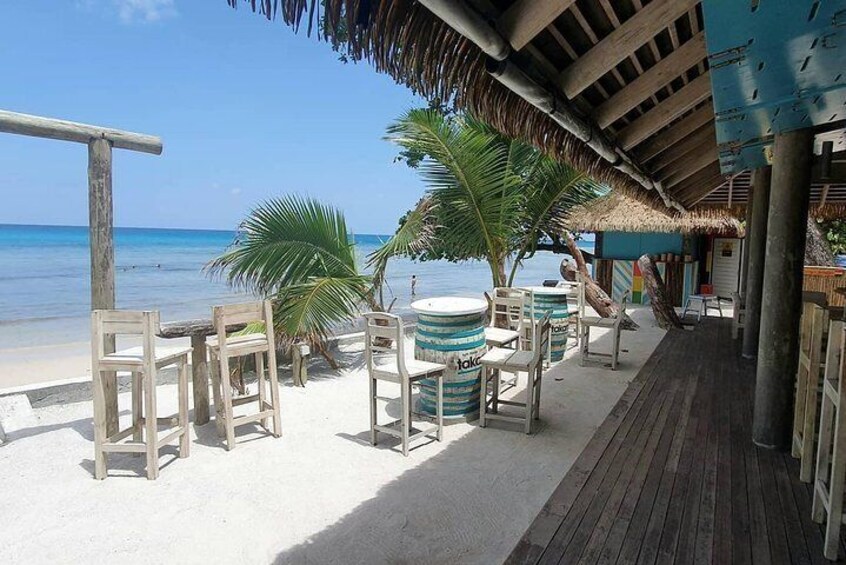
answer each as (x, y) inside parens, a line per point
(668, 110)
(692, 163)
(525, 19)
(707, 179)
(621, 43)
(702, 137)
(657, 77)
(674, 134)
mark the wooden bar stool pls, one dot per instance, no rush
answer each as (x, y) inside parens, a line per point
(511, 361)
(143, 362)
(384, 334)
(831, 449)
(223, 347)
(814, 324)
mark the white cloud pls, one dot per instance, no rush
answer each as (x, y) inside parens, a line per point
(147, 11)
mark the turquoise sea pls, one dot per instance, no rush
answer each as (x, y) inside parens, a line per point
(44, 277)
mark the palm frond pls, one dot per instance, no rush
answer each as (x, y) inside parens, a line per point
(414, 236)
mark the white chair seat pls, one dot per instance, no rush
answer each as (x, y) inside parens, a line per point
(497, 337)
(238, 342)
(415, 368)
(598, 322)
(500, 358)
(135, 355)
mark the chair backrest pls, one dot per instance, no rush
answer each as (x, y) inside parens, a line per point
(107, 324)
(540, 338)
(379, 328)
(230, 315)
(507, 308)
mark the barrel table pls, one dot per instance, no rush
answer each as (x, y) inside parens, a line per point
(451, 330)
(553, 300)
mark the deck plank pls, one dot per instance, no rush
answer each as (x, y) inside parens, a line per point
(672, 475)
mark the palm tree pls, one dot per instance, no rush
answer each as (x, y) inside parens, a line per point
(489, 197)
(298, 251)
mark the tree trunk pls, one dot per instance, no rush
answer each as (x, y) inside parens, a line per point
(662, 306)
(594, 295)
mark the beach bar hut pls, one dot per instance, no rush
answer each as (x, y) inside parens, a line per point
(683, 104)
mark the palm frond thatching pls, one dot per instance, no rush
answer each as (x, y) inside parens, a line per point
(617, 212)
(405, 40)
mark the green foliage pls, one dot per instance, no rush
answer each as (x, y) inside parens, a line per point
(489, 197)
(835, 234)
(297, 251)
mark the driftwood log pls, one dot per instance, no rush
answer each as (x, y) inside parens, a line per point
(662, 304)
(594, 295)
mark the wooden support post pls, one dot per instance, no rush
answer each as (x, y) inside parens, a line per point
(200, 376)
(100, 223)
(756, 236)
(778, 350)
(744, 265)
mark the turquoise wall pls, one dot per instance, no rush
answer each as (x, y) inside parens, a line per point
(624, 245)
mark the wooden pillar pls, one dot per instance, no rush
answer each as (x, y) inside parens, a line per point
(100, 222)
(744, 265)
(778, 348)
(756, 235)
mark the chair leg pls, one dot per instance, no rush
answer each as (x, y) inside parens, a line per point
(497, 382)
(185, 438)
(373, 391)
(137, 409)
(440, 407)
(530, 400)
(151, 425)
(262, 388)
(226, 387)
(483, 396)
(616, 346)
(406, 420)
(214, 370)
(273, 373)
(99, 424)
(539, 372)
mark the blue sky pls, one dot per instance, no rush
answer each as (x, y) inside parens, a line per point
(246, 110)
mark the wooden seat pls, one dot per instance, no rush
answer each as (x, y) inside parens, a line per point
(143, 362)
(511, 361)
(223, 347)
(588, 322)
(830, 475)
(500, 337)
(384, 335)
(813, 326)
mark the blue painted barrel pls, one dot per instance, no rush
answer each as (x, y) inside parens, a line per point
(458, 341)
(552, 300)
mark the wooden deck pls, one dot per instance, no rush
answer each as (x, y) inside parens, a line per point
(672, 476)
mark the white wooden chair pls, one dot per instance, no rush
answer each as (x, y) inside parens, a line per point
(831, 449)
(507, 317)
(223, 347)
(738, 316)
(511, 361)
(380, 328)
(576, 306)
(806, 402)
(143, 363)
(588, 322)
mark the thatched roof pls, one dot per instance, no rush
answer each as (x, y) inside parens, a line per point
(617, 212)
(633, 74)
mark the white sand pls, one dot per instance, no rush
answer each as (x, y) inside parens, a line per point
(320, 494)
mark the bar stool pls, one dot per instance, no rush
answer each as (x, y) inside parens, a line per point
(223, 347)
(588, 322)
(831, 449)
(806, 404)
(382, 329)
(511, 361)
(143, 362)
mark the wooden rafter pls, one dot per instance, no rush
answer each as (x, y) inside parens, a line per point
(704, 181)
(675, 133)
(703, 137)
(670, 109)
(525, 19)
(621, 43)
(692, 163)
(657, 77)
